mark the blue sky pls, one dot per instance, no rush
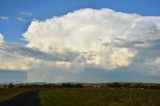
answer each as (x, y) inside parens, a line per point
(43, 9)
(80, 40)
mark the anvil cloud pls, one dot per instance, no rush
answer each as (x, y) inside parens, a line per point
(98, 39)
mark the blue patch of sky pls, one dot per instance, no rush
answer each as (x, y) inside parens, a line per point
(12, 76)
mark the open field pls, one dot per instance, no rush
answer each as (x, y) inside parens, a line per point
(99, 97)
(112, 94)
(28, 98)
(8, 93)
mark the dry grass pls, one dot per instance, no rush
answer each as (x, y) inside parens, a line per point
(100, 97)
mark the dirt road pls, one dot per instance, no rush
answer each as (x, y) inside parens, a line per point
(25, 99)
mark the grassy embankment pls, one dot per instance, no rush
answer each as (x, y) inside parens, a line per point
(8, 93)
(99, 97)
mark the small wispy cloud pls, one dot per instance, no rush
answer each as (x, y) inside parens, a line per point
(26, 13)
(4, 18)
(20, 19)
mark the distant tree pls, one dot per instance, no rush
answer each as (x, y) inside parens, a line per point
(4, 86)
(79, 86)
(69, 85)
(10, 85)
(127, 85)
(115, 85)
(66, 85)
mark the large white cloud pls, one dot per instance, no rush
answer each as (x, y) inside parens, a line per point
(103, 38)
(66, 47)
(85, 31)
(79, 30)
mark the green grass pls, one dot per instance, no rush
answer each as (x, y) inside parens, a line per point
(89, 96)
(9, 93)
(52, 98)
(99, 97)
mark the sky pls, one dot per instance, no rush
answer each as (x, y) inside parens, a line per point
(79, 41)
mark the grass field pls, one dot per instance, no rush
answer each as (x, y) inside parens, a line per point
(8, 93)
(88, 96)
(99, 97)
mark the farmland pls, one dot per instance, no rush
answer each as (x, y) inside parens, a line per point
(112, 94)
(100, 97)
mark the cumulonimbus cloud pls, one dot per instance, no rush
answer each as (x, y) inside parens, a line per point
(98, 33)
(97, 39)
